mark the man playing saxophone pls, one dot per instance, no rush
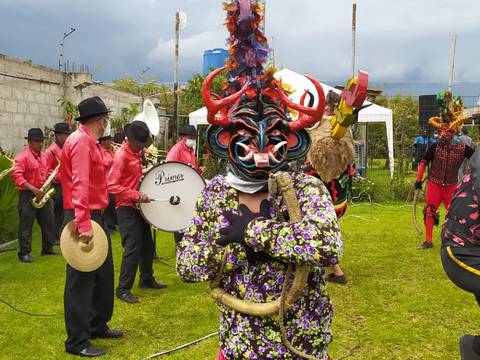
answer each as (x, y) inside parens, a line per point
(29, 175)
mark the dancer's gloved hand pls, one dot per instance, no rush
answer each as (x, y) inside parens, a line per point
(418, 185)
(235, 232)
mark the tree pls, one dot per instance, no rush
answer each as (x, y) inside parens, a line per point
(405, 129)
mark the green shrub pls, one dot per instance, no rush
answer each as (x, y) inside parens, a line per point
(8, 206)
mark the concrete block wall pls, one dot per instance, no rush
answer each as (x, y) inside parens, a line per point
(29, 97)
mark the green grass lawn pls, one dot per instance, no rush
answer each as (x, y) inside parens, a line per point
(398, 303)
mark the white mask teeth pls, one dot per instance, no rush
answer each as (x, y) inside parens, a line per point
(247, 157)
(279, 146)
(273, 158)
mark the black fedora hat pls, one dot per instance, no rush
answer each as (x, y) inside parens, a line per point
(90, 107)
(189, 130)
(35, 134)
(119, 137)
(104, 138)
(61, 128)
(139, 134)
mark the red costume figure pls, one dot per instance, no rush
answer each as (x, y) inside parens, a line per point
(445, 158)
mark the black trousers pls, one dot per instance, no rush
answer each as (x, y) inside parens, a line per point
(88, 297)
(27, 215)
(58, 209)
(464, 278)
(138, 248)
(109, 214)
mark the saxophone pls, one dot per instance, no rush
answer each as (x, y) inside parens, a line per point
(8, 170)
(47, 189)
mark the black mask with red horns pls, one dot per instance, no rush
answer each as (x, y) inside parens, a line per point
(252, 127)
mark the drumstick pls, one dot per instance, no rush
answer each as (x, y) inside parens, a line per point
(174, 200)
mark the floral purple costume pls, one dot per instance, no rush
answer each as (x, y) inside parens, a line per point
(250, 256)
(316, 241)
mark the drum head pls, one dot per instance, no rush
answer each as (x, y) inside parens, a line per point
(175, 187)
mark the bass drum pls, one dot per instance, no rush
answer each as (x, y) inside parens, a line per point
(173, 188)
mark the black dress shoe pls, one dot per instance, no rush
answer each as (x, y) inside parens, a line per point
(25, 258)
(152, 284)
(426, 245)
(128, 297)
(466, 348)
(108, 334)
(50, 252)
(340, 279)
(89, 351)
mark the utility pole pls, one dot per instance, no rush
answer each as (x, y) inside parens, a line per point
(141, 83)
(175, 80)
(61, 61)
(452, 68)
(354, 36)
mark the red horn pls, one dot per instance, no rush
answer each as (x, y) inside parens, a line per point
(307, 115)
(214, 106)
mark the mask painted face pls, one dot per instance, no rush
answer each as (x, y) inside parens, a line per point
(255, 134)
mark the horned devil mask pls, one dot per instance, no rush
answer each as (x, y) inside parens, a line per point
(252, 127)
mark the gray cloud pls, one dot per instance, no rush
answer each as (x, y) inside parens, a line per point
(396, 40)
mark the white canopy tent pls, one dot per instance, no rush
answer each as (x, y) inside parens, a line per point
(299, 83)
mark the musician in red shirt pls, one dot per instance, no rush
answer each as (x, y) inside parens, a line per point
(183, 151)
(88, 297)
(105, 144)
(53, 155)
(123, 182)
(29, 175)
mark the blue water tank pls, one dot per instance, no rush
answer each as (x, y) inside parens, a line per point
(214, 59)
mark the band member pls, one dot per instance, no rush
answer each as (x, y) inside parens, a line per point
(337, 172)
(241, 236)
(105, 144)
(123, 182)
(54, 153)
(460, 252)
(445, 157)
(184, 150)
(88, 297)
(29, 175)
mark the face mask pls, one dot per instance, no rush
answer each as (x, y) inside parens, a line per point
(190, 143)
(106, 131)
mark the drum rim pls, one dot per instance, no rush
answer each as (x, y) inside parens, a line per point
(143, 177)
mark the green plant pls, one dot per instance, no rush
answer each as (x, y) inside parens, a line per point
(125, 117)
(70, 109)
(8, 208)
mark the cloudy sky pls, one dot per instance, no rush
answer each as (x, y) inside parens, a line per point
(406, 40)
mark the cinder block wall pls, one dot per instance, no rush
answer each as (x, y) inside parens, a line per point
(29, 97)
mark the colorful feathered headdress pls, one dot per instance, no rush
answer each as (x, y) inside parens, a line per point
(250, 121)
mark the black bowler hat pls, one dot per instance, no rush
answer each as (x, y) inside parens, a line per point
(90, 107)
(104, 138)
(119, 137)
(35, 134)
(62, 128)
(189, 130)
(138, 133)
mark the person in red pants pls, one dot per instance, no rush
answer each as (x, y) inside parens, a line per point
(445, 158)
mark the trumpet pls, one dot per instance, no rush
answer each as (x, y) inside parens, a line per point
(8, 170)
(151, 157)
(47, 189)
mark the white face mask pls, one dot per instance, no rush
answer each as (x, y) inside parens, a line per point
(190, 143)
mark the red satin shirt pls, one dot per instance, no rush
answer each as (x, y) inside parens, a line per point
(182, 153)
(53, 154)
(107, 157)
(124, 177)
(30, 167)
(82, 176)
